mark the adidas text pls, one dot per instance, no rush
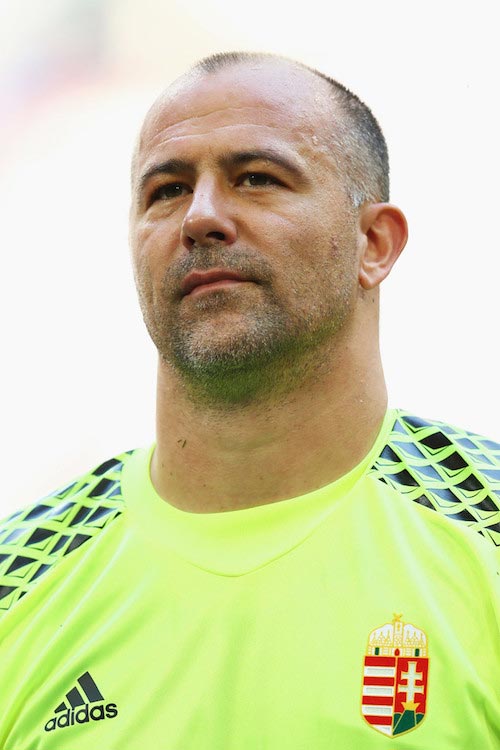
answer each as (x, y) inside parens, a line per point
(82, 715)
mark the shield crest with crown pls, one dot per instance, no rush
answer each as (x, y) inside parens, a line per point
(395, 672)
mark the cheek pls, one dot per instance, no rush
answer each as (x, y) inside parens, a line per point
(326, 264)
(152, 245)
(153, 233)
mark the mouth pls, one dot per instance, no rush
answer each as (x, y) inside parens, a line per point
(200, 281)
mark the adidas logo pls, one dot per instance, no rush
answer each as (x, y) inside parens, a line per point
(80, 709)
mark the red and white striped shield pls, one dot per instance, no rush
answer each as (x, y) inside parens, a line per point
(395, 674)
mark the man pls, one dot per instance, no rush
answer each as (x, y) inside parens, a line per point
(291, 565)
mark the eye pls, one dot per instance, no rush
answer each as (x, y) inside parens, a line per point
(258, 179)
(169, 191)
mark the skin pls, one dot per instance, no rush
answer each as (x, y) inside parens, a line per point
(282, 369)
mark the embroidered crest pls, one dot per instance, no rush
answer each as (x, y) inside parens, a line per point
(395, 674)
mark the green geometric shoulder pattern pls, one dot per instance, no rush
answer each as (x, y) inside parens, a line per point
(449, 470)
(36, 538)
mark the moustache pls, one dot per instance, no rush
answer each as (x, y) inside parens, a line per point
(242, 261)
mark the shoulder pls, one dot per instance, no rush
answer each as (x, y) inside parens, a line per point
(446, 469)
(34, 539)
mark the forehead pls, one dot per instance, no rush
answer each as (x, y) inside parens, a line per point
(259, 102)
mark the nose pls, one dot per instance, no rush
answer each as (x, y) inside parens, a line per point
(208, 219)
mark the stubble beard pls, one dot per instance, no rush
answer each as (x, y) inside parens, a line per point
(239, 346)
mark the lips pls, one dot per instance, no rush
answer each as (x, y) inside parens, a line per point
(200, 278)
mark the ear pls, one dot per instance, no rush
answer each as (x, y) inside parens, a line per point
(385, 232)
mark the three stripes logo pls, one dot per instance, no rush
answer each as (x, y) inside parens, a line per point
(84, 703)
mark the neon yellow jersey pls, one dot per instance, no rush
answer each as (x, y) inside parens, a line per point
(362, 615)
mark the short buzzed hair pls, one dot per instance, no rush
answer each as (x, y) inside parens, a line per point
(360, 144)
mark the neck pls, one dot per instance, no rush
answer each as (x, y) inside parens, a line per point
(211, 460)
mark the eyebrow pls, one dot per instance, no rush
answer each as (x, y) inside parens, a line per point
(239, 158)
(235, 159)
(171, 166)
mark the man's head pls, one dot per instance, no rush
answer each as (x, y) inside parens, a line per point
(256, 167)
(354, 133)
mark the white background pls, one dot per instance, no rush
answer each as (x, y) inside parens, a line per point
(78, 371)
